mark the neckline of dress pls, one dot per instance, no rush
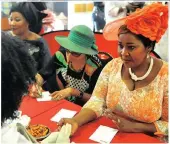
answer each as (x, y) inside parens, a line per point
(120, 75)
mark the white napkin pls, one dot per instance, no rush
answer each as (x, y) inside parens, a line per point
(63, 113)
(103, 134)
(45, 96)
(64, 134)
(59, 137)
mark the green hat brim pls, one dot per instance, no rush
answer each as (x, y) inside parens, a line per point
(68, 44)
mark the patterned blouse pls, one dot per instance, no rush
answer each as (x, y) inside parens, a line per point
(148, 104)
(84, 81)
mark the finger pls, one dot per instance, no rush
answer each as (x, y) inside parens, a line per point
(106, 111)
(61, 122)
(117, 124)
(37, 95)
(34, 95)
(54, 97)
(54, 93)
(58, 97)
(59, 128)
(118, 120)
(111, 116)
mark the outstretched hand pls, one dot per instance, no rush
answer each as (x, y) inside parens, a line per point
(59, 137)
(35, 91)
(62, 94)
(123, 124)
(64, 121)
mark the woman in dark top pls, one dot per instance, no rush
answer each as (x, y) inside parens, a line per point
(23, 16)
(73, 71)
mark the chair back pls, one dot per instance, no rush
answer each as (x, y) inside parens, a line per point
(104, 46)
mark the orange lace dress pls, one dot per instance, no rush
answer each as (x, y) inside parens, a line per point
(147, 104)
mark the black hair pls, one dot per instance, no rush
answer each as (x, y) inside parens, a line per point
(17, 73)
(40, 5)
(32, 15)
(146, 41)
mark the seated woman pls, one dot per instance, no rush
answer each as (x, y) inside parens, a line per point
(132, 90)
(24, 16)
(73, 70)
(18, 74)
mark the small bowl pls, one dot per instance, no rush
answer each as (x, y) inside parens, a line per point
(36, 128)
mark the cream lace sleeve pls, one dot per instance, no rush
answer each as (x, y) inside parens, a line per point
(162, 124)
(97, 100)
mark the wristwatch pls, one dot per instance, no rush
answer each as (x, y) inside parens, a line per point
(81, 95)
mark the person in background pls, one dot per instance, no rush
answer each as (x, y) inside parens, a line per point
(22, 17)
(132, 6)
(98, 17)
(72, 72)
(48, 23)
(132, 90)
(161, 48)
(38, 28)
(115, 10)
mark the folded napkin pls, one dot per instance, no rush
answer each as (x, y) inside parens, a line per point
(59, 137)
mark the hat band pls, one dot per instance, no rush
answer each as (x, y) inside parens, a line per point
(80, 39)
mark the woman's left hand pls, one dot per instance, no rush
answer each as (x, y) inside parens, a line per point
(62, 94)
(35, 91)
(123, 124)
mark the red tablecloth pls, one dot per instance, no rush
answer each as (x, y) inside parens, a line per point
(44, 118)
(31, 107)
(84, 132)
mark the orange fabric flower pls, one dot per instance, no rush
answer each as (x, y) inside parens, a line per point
(150, 21)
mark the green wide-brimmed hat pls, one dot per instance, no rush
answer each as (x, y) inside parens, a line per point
(80, 39)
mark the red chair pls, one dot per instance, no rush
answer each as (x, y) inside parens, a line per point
(104, 46)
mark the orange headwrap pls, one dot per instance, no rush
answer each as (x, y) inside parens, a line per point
(150, 21)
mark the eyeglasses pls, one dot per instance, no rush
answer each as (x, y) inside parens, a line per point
(73, 53)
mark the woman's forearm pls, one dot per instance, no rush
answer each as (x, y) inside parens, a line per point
(144, 127)
(84, 116)
(76, 92)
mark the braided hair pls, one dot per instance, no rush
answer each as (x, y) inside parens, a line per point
(17, 73)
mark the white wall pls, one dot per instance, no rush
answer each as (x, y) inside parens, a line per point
(79, 18)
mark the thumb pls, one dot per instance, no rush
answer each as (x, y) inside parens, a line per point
(54, 93)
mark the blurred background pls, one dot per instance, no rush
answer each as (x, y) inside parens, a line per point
(93, 14)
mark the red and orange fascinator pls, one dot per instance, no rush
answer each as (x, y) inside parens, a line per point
(150, 21)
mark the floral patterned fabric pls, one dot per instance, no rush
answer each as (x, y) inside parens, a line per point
(147, 104)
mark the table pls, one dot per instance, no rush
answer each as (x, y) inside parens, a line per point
(31, 107)
(84, 132)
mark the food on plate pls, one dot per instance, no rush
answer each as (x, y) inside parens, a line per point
(38, 130)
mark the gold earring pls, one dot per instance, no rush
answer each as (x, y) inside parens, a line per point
(148, 55)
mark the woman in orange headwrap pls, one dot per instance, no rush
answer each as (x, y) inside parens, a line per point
(134, 87)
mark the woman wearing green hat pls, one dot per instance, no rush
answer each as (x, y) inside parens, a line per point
(73, 70)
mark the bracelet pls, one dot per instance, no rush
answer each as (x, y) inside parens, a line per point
(81, 95)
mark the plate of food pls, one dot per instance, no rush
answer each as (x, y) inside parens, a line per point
(38, 131)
